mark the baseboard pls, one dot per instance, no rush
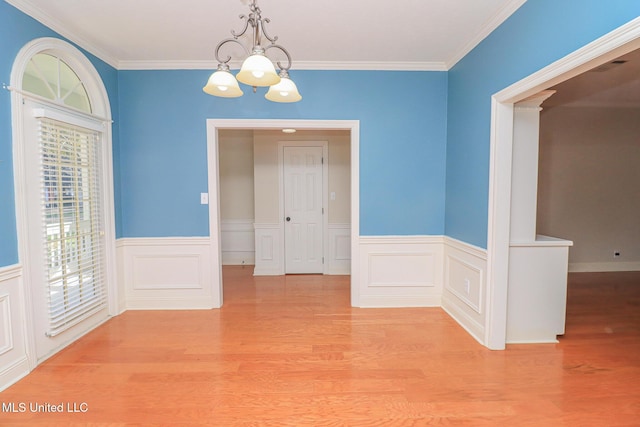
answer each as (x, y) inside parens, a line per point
(600, 267)
(266, 271)
(404, 301)
(467, 322)
(13, 373)
(167, 303)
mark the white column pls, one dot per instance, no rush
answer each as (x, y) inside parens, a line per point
(524, 184)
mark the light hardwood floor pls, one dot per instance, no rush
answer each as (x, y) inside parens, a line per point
(290, 351)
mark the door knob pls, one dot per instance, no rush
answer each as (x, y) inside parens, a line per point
(288, 218)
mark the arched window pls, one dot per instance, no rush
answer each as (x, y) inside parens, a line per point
(64, 196)
(50, 77)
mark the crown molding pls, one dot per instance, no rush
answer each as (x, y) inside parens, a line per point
(298, 65)
(502, 15)
(370, 65)
(172, 65)
(47, 20)
(29, 9)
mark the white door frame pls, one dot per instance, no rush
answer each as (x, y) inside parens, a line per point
(614, 44)
(214, 125)
(325, 194)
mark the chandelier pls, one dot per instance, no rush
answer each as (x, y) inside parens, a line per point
(257, 69)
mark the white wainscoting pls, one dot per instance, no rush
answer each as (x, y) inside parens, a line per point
(237, 242)
(269, 250)
(166, 273)
(14, 363)
(465, 292)
(339, 253)
(400, 271)
(269, 259)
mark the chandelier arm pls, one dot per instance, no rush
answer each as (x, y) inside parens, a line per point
(266, 34)
(244, 30)
(222, 43)
(280, 66)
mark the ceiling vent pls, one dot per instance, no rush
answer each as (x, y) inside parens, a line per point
(608, 66)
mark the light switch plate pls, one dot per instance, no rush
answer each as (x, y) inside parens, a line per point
(204, 198)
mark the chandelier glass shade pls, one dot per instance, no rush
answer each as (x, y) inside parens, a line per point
(257, 69)
(285, 91)
(223, 84)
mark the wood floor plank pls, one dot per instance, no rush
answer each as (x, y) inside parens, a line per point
(290, 351)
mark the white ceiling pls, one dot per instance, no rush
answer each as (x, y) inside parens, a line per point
(322, 34)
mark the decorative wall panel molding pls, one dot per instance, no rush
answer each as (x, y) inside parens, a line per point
(237, 242)
(400, 271)
(14, 363)
(269, 255)
(464, 295)
(339, 261)
(166, 273)
(6, 325)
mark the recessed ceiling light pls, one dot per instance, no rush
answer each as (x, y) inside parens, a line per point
(288, 130)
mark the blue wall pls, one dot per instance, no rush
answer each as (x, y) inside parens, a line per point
(442, 119)
(536, 35)
(402, 145)
(16, 30)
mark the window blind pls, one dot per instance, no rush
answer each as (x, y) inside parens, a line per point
(72, 223)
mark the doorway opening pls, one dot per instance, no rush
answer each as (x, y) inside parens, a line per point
(619, 42)
(214, 127)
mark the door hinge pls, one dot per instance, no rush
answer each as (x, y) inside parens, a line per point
(323, 260)
(322, 211)
(322, 160)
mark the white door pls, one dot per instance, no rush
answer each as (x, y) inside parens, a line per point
(66, 244)
(303, 210)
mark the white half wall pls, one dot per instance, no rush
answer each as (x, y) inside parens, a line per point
(14, 363)
(166, 273)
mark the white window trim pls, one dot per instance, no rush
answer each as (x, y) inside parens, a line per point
(101, 108)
